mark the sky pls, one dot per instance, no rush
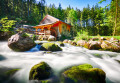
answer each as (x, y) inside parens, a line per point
(80, 4)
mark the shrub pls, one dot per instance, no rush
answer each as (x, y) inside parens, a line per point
(7, 25)
(82, 36)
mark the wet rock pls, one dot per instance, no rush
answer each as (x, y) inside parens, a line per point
(81, 42)
(20, 42)
(40, 37)
(69, 41)
(94, 45)
(114, 40)
(40, 71)
(83, 74)
(51, 38)
(102, 38)
(65, 41)
(110, 45)
(94, 39)
(50, 47)
(45, 37)
(74, 43)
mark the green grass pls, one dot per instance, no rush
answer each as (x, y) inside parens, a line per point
(117, 37)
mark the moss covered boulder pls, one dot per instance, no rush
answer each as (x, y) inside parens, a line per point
(83, 74)
(50, 47)
(40, 71)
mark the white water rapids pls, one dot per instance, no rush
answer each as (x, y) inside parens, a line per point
(58, 61)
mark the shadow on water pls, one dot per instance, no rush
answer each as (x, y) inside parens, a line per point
(35, 49)
(6, 74)
(2, 58)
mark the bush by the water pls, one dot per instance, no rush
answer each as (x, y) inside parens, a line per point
(84, 74)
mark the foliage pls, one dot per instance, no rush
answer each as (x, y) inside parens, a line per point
(7, 25)
(65, 34)
(25, 35)
(95, 20)
(82, 36)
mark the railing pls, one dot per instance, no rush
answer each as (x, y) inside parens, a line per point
(44, 32)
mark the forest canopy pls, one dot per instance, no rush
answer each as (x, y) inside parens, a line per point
(95, 20)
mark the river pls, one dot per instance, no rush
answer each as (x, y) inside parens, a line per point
(71, 55)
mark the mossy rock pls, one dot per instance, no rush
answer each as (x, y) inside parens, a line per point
(60, 43)
(11, 72)
(50, 47)
(40, 71)
(84, 74)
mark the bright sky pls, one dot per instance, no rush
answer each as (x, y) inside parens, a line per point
(80, 4)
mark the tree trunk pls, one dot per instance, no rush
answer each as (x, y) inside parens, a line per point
(28, 7)
(22, 10)
(115, 18)
(13, 7)
(41, 10)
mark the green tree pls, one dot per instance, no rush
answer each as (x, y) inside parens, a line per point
(7, 25)
(72, 18)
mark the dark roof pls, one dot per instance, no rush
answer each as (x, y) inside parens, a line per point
(48, 20)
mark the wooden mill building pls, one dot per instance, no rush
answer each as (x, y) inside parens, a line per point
(51, 26)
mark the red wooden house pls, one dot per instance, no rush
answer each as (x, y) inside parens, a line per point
(51, 26)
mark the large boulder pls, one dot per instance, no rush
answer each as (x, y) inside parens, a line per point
(40, 71)
(50, 47)
(51, 38)
(20, 42)
(81, 42)
(83, 74)
(94, 45)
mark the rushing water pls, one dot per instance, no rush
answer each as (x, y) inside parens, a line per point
(71, 55)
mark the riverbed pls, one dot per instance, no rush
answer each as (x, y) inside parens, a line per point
(58, 61)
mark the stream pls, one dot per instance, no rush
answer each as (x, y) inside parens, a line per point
(58, 61)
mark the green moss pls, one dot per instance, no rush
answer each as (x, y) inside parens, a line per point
(25, 35)
(45, 81)
(50, 47)
(40, 71)
(11, 72)
(86, 72)
(97, 55)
